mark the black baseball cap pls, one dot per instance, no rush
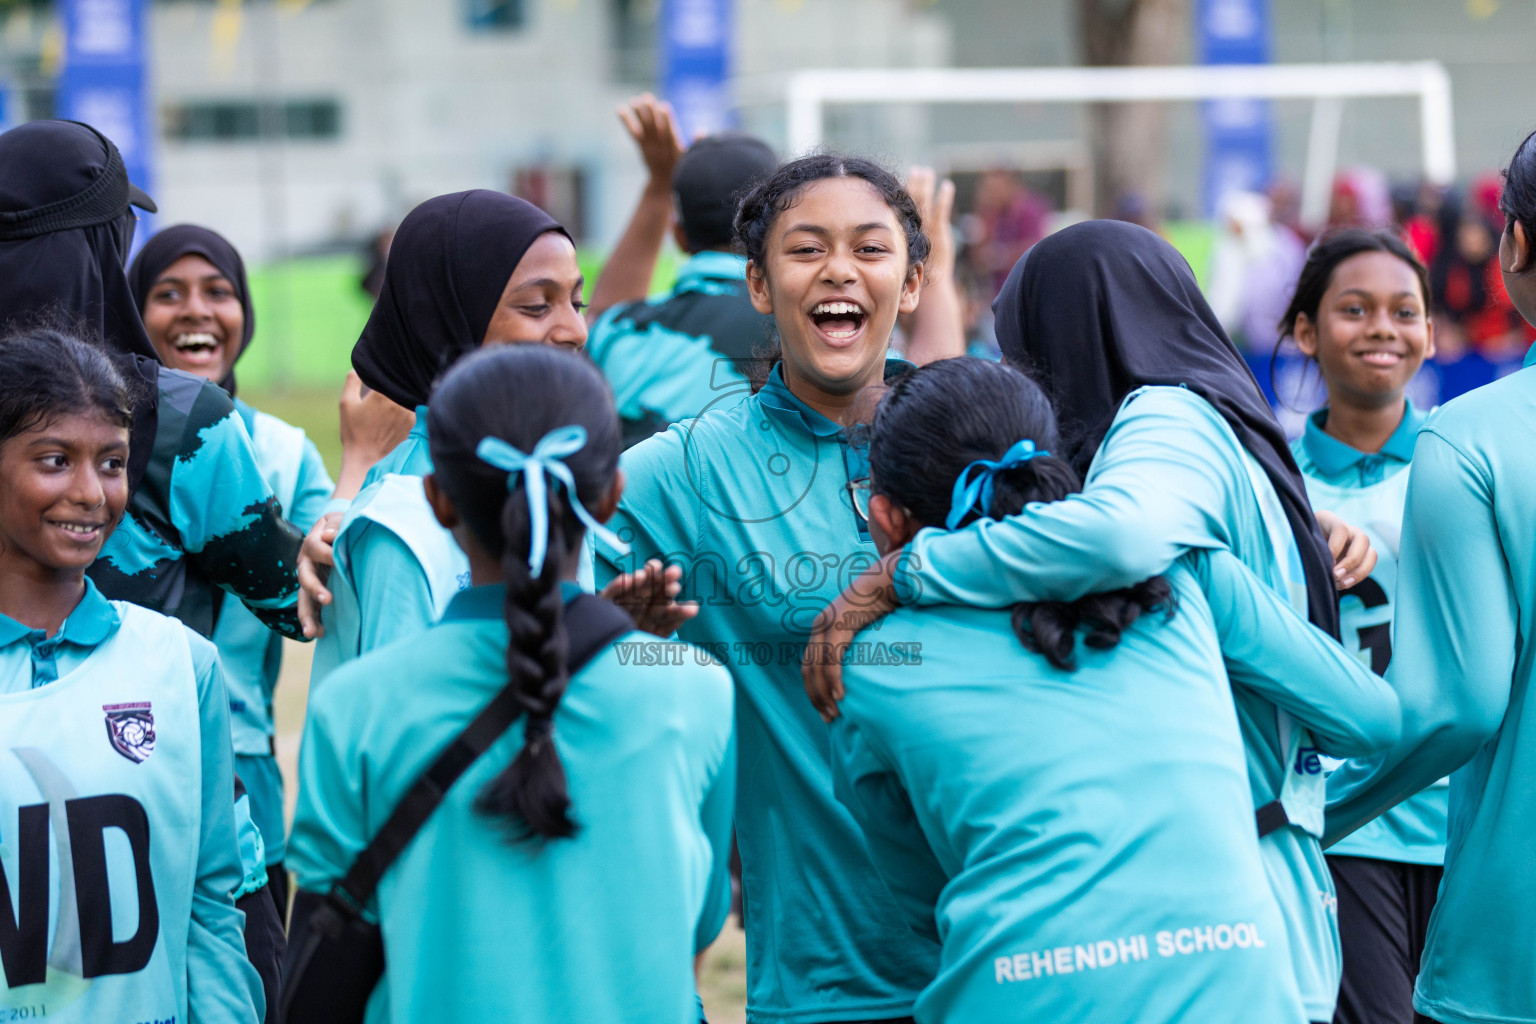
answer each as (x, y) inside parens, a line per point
(710, 180)
(59, 175)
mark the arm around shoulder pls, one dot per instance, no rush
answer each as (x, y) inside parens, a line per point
(1271, 650)
(1160, 485)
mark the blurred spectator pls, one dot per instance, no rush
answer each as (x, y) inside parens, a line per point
(1253, 270)
(1471, 308)
(1361, 198)
(1132, 207)
(1421, 226)
(376, 254)
(1007, 219)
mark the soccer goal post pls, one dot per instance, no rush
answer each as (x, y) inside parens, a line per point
(808, 93)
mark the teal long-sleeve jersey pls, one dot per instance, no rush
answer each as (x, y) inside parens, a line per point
(1462, 664)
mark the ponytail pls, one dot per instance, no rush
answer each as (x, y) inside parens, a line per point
(519, 474)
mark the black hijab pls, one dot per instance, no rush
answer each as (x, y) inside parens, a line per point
(1104, 307)
(448, 266)
(65, 229)
(66, 225)
(170, 245)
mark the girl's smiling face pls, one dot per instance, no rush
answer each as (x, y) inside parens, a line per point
(1372, 331)
(542, 301)
(194, 318)
(64, 491)
(835, 277)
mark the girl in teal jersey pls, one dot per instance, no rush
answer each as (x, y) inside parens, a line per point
(579, 864)
(190, 287)
(1181, 452)
(466, 270)
(1464, 654)
(1361, 311)
(751, 500)
(114, 721)
(1100, 862)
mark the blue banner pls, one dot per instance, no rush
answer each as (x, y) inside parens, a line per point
(7, 101)
(695, 49)
(103, 80)
(1238, 132)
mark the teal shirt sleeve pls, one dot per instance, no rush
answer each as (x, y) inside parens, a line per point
(715, 814)
(312, 496)
(330, 827)
(393, 595)
(1454, 639)
(1269, 649)
(222, 986)
(253, 849)
(655, 516)
(875, 797)
(230, 522)
(1161, 484)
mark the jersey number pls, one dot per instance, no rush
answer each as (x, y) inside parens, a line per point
(1375, 639)
(24, 935)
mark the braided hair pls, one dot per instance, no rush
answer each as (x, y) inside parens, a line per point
(937, 420)
(520, 393)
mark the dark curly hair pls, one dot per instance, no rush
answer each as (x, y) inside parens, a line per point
(939, 419)
(777, 193)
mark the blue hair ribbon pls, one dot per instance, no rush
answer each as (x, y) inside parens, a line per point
(546, 460)
(973, 487)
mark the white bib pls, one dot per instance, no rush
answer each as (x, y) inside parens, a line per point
(100, 827)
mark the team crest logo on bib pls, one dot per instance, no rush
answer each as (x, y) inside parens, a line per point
(131, 728)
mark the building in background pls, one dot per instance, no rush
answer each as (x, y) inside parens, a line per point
(300, 125)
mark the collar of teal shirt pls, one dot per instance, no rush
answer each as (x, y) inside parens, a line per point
(776, 397)
(93, 620)
(1332, 456)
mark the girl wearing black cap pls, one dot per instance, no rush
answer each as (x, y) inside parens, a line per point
(202, 518)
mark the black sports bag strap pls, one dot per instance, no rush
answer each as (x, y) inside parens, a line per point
(1270, 817)
(591, 624)
(335, 958)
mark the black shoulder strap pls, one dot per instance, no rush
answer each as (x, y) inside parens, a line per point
(592, 624)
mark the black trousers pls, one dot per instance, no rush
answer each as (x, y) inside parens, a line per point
(1384, 909)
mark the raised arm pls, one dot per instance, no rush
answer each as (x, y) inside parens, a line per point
(936, 329)
(1454, 637)
(626, 276)
(1273, 651)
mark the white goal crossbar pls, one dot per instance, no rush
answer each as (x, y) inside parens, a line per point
(808, 93)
